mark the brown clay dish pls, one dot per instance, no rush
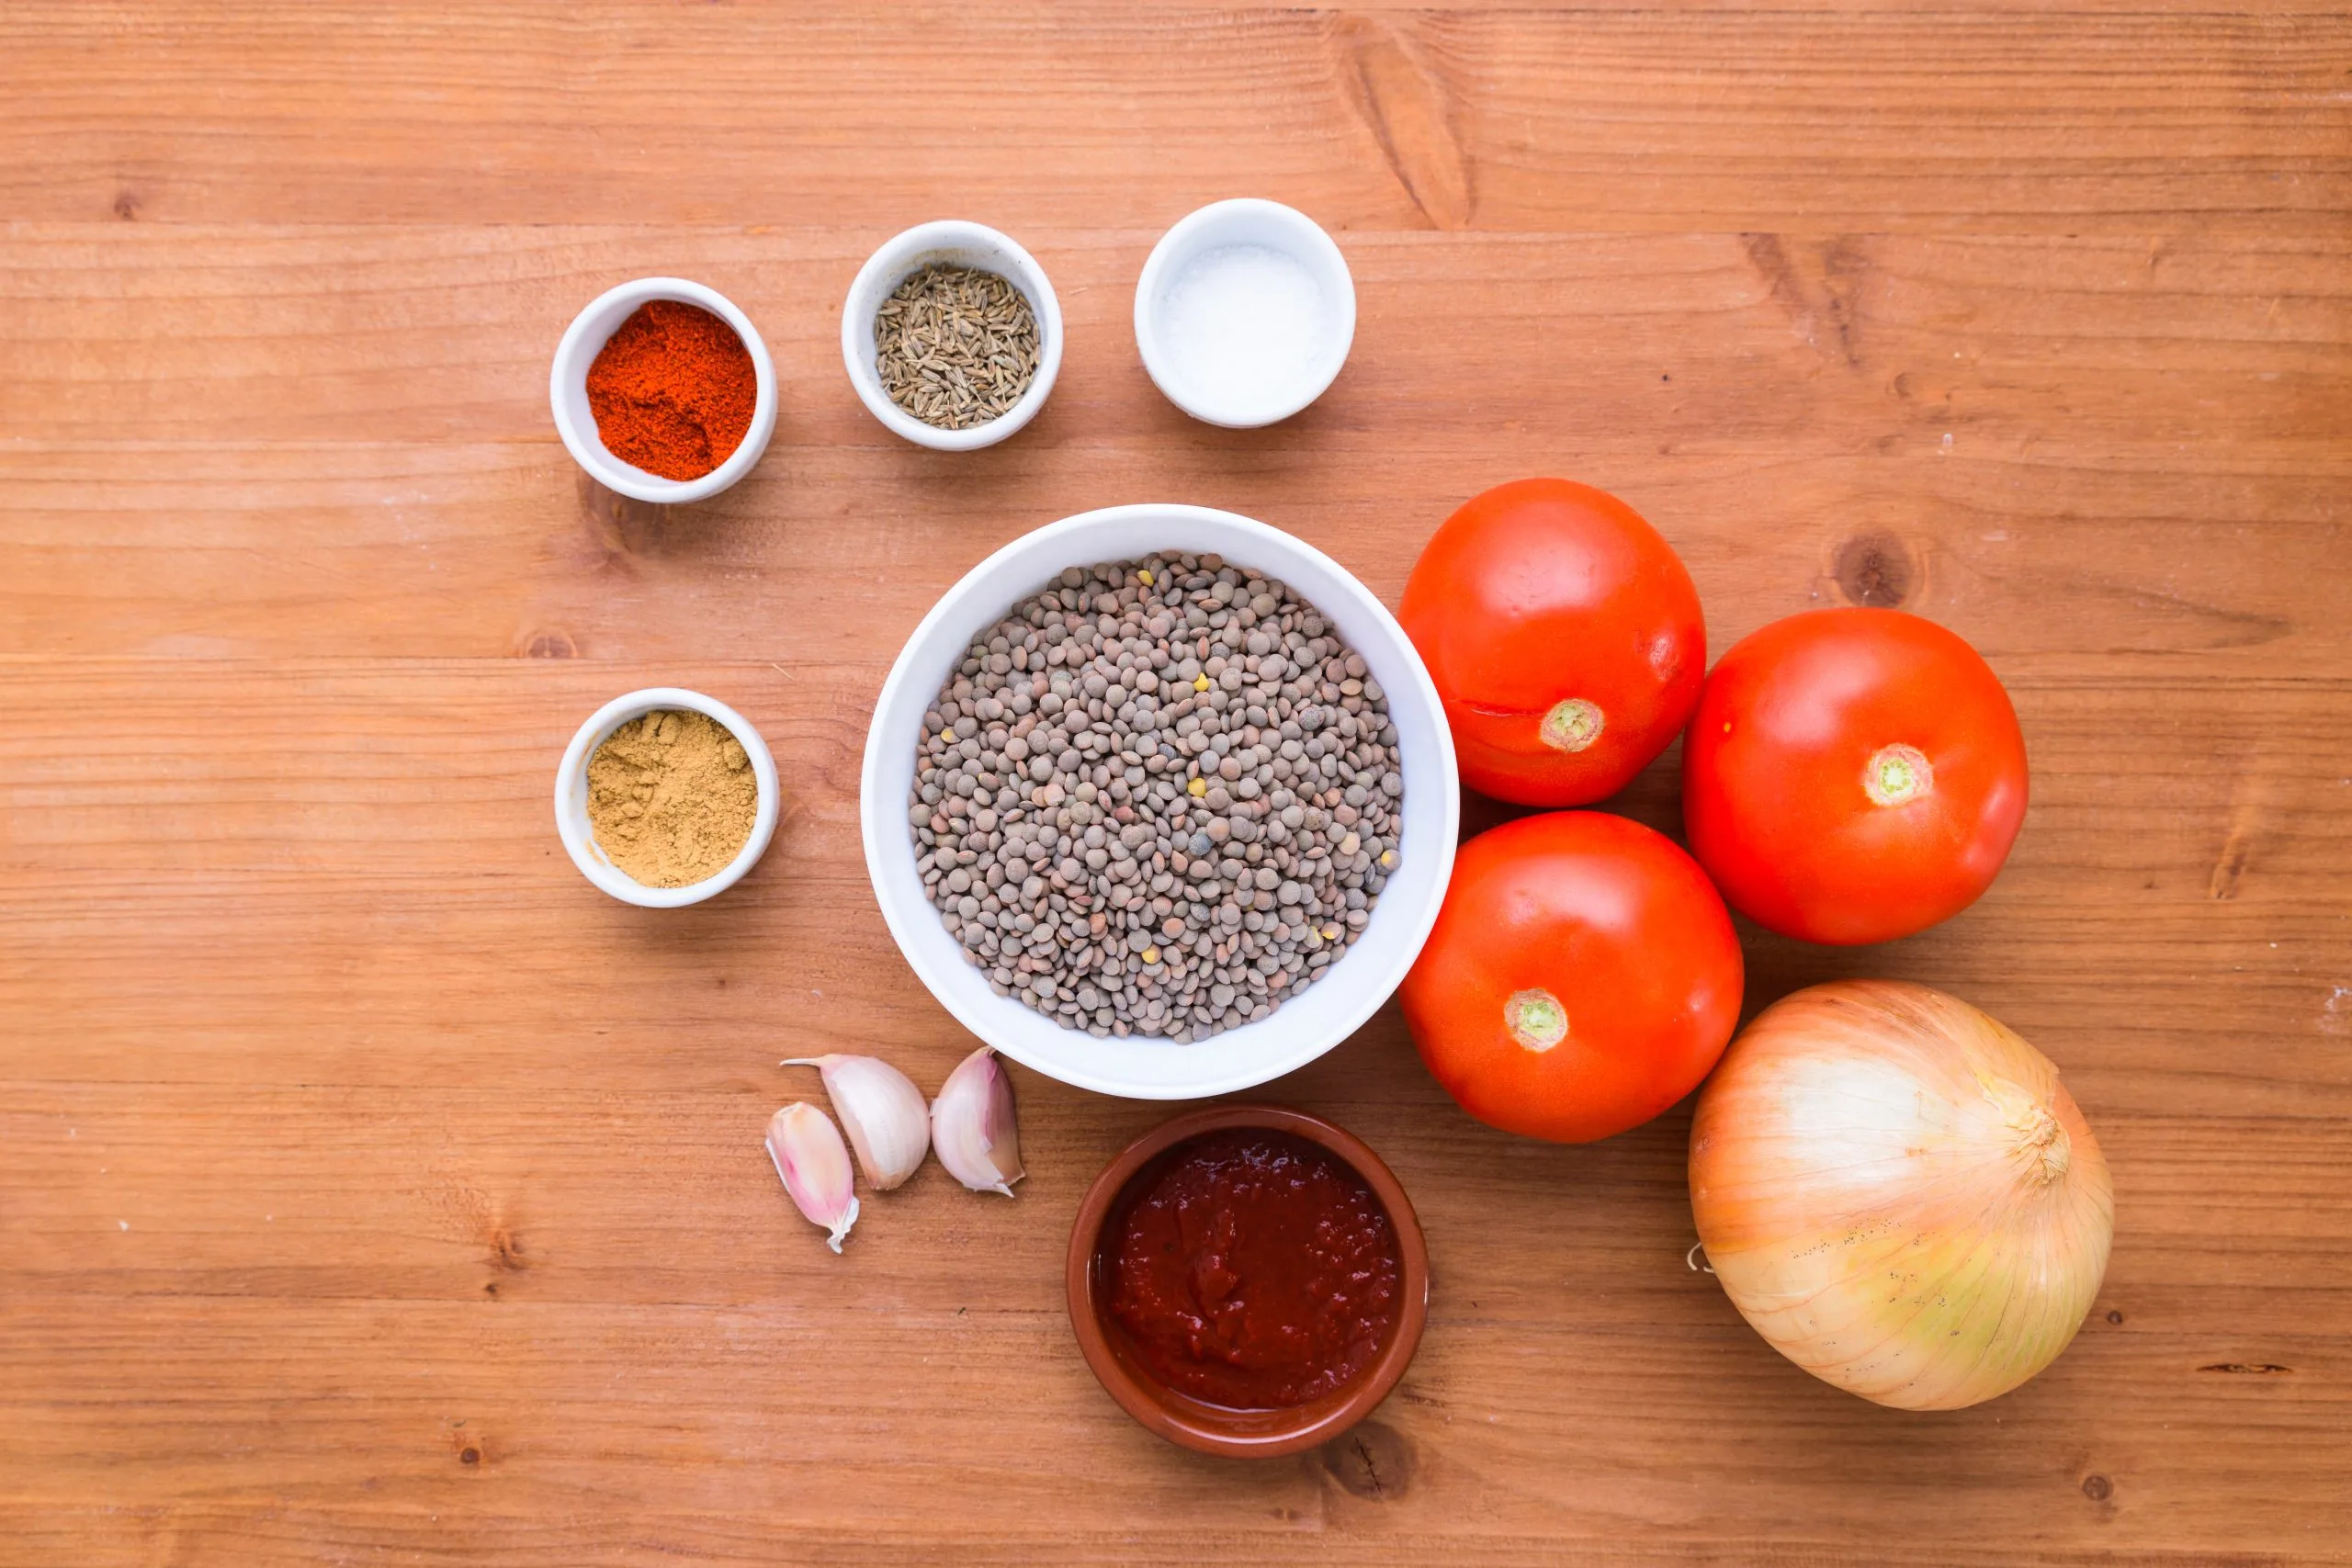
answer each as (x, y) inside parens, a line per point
(1211, 1429)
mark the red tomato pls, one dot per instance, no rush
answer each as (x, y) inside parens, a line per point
(1852, 775)
(1582, 976)
(1564, 634)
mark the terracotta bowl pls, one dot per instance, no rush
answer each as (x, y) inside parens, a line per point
(1210, 1428)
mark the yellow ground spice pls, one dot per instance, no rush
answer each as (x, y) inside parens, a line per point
(670, 797)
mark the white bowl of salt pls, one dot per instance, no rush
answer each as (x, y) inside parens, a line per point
(1245, 312)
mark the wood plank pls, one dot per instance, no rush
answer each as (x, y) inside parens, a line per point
(2170, 926)
(574, 1196)
(1829, 122)
(375, 551)
(1521, 1372)
(2156, 429)
(1700, 341)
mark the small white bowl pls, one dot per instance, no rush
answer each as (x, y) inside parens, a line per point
(1307, 1025)
(1243, 221)
(576, 422)
(949, 243)
(571, 798)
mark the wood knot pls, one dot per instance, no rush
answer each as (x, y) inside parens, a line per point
(1876, 570)
(469, 1455)
(2222, 884)
(1812, 288)
(553, 643)
(1403, 100)
(506, 1250)
(2097, 1488)
(2115, 1317)
(1372, 1461)
(127, 204)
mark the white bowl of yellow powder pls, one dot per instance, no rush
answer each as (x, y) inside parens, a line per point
(665, 797)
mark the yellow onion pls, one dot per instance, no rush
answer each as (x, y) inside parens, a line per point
(1899, 1195)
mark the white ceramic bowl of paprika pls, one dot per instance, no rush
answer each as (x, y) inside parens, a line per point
(575, 421)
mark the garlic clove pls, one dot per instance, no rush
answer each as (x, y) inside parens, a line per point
(810, 1156)
(972, 1126)
(882, 1112)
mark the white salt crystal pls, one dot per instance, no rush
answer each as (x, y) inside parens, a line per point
(1244, 327)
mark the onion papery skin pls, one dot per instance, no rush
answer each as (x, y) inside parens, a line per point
(1899, 1195)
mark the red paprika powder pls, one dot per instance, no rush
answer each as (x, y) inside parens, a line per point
(672, 390)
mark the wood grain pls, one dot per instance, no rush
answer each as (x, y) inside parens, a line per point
(371, 1190)
(2056, 122)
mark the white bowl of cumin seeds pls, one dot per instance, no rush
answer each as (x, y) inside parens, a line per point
(687, 786)
(952, 335)
(1140, 1065)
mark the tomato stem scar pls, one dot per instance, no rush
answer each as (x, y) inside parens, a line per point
(1897, 775)
(1536, 1020)
(1572, 725)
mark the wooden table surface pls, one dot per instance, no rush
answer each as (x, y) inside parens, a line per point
(373, 1190)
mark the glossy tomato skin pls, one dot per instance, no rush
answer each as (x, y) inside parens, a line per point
(1582, 976)
(1778, 780)
(1540, 595)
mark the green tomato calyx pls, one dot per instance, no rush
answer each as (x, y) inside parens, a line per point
(1898, 774)
(1572, 725)
(1536, 1020)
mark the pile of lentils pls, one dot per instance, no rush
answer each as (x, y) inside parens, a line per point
(1159, 798)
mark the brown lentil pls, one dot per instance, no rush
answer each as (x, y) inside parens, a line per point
(1158, 797)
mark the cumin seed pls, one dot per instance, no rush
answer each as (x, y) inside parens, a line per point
(958, 346)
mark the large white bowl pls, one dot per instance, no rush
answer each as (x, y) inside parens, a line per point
(1302, 1028)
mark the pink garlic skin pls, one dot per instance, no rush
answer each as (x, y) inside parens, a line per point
(973, 1126)
(882, 1112)
(814, 1163)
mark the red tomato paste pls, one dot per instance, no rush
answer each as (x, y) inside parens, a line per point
(1253, 1269)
